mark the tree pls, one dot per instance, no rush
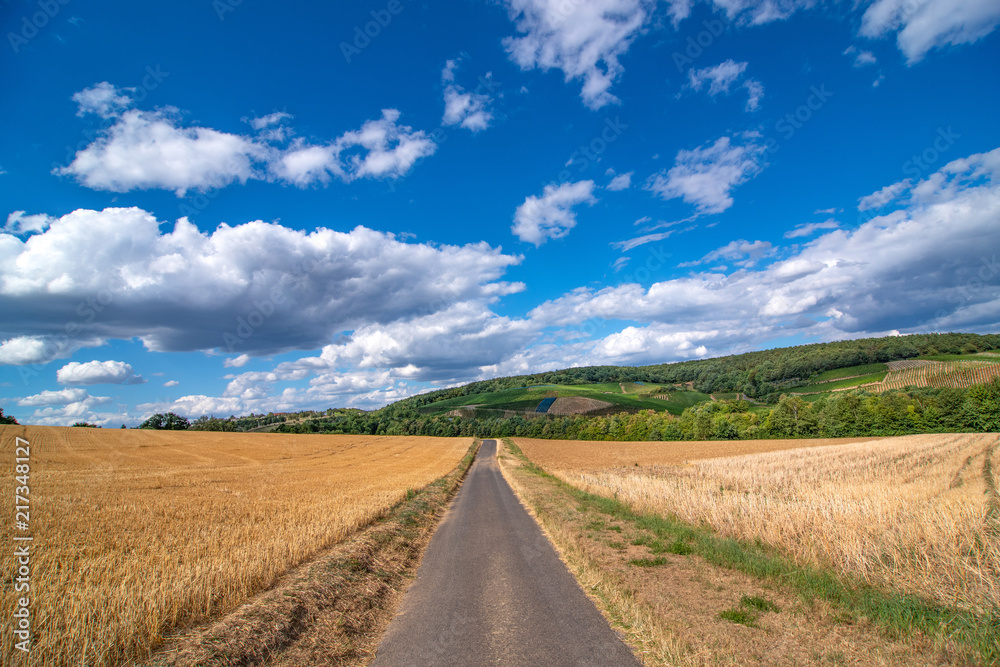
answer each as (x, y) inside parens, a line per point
(85, 425)
(166, 422)
(6, 419)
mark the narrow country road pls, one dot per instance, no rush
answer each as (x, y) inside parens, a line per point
(492, 591)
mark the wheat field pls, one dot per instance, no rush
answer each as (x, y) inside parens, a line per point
(915, 513)
(140, 533)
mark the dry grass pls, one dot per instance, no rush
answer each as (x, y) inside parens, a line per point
(914, 513)
(598, 455)
(141, 533)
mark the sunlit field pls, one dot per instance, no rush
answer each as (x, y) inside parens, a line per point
(140, 533)
(915, 513)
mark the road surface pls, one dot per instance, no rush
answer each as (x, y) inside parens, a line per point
(492, 591)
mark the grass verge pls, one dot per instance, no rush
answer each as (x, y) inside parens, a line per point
(332, 610)
(956, 636)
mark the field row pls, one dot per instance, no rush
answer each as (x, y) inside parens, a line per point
(914, 513)
(139, 533)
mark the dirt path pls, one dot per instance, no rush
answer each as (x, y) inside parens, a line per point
(492, 591)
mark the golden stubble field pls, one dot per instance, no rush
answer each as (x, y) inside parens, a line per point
(140, 533)
(915, 513)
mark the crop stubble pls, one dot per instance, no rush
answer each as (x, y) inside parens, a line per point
(141, 533)
(914, 513)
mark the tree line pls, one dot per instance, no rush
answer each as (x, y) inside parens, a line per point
(855, 413)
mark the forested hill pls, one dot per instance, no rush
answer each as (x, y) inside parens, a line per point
(761, 375)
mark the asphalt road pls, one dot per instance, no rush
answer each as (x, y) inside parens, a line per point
(492, 591)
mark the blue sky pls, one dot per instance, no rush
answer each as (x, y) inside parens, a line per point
(225, 207)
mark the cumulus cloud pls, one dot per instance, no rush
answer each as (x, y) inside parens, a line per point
(24, 350)
(706, 175)
(19, 223)
(465, 109)
(923, 26)
(66, 406)
(254, 288)
(102, 99)
(98, 372)
(145, 149)
(551, 216)
(583, 39)
(61, 397)
(236, 362)
(387, 150)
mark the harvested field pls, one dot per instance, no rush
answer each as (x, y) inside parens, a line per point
(575, 455)
(914, 513)
(576, 405)
(138, 534)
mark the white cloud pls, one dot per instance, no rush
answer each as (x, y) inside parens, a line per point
(942, 274)
(61, 397)
(705, 176)
(884, 196)
(144, 150)
(551, 216)
(922, 26)
(621, 182)
(625, 246)
(861, 58)
(171, 383)
(262, 122)
(67, 406)
(583, 39)
(254, 288)
(809, 228)
(755, 93)
(147, 149)
(721, 78)
(19, 223)
(236, 362)
(389, 150)
(742, 252)
(24, 350)
(98, 372)
(466, 109)
(102, 99)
